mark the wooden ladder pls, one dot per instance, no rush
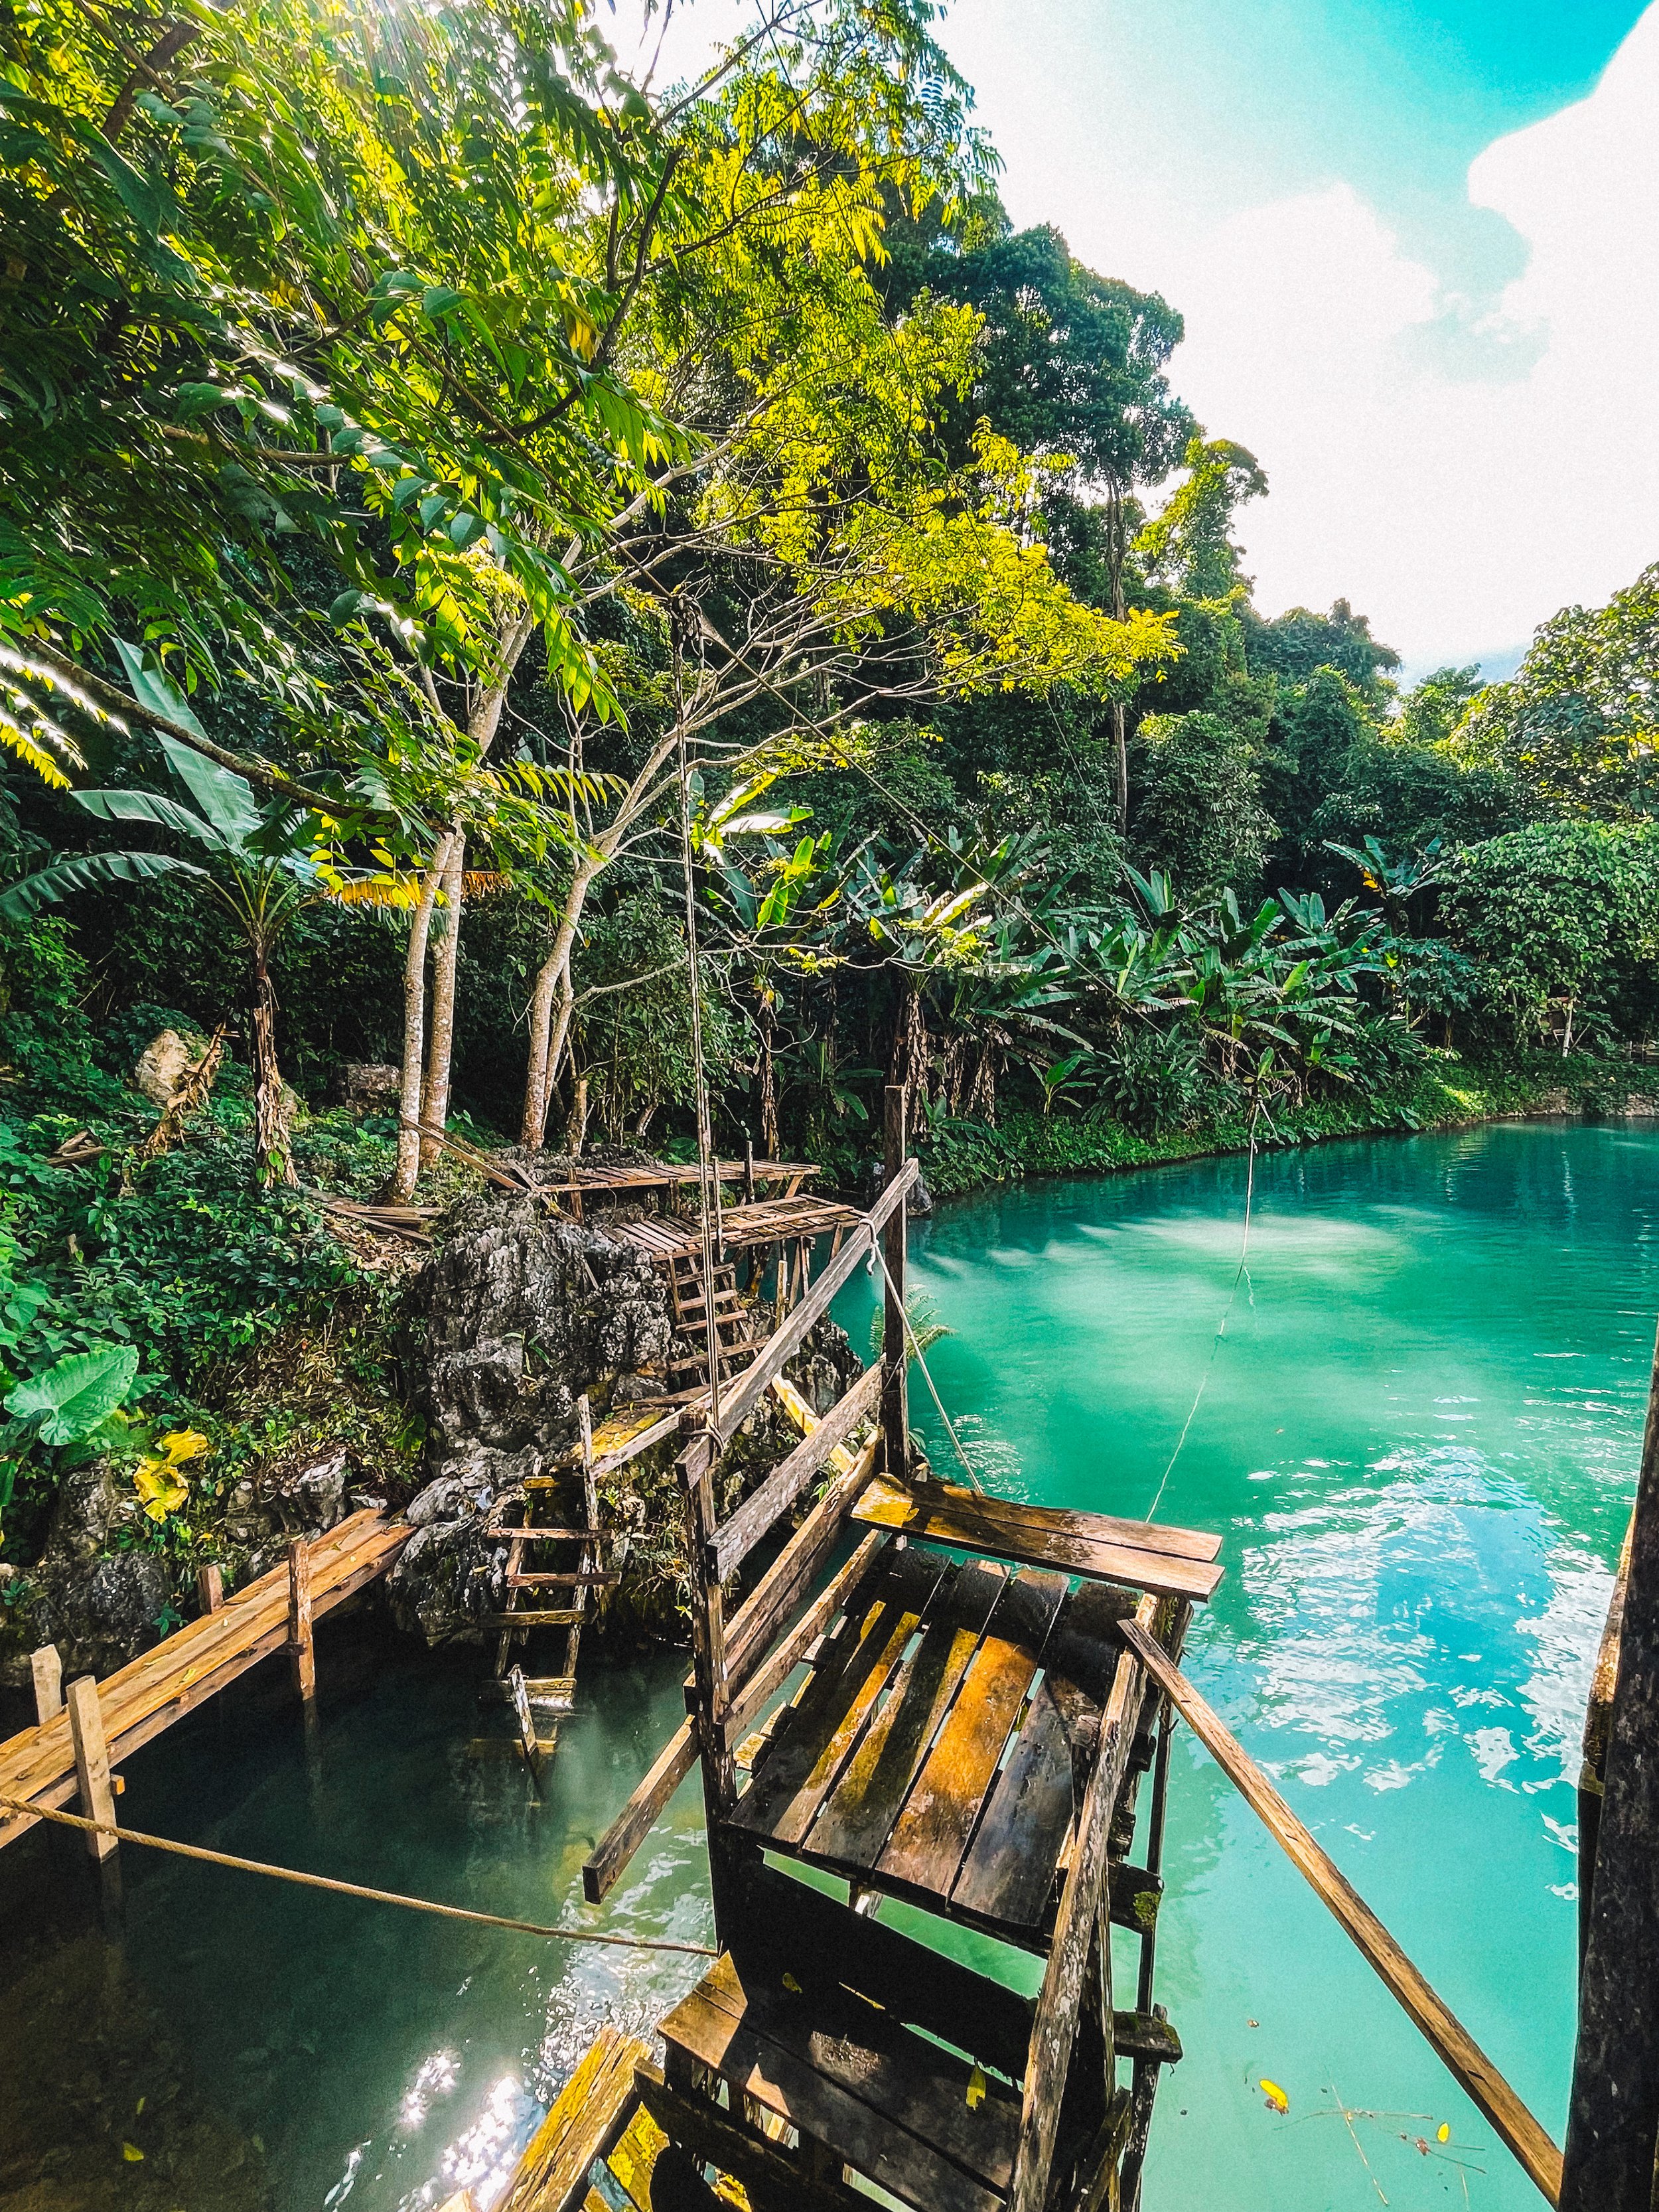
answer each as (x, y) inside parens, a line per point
(522, 1611)
(735, 1320)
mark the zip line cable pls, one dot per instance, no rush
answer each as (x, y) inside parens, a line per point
(177, 1850)
(974, 1481)
(1239, 1275)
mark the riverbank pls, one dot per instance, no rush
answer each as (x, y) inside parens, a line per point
(1448, 1092)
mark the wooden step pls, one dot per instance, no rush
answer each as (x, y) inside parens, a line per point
(553, 1693)
(602, 1578)
(540, 1617)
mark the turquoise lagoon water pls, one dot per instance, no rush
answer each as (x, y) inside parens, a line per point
(1416, 1438)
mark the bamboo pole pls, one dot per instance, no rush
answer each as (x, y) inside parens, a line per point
(1452, 2041)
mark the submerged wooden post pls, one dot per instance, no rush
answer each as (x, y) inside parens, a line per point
(91, 1764)
(211, 1587)
(1612, 2121)
(301, 1640)
(47, 1669)
(895, 1412)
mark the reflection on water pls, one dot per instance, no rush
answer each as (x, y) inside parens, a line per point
(1416, 1438)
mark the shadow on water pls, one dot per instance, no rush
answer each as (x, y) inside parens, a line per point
(1418, 1440)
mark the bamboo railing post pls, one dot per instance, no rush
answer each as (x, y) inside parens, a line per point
(91, 1764)
(211, 1587)
(894, 1411)
(1613, 2120)
(47, 1670)
(719, 1772)
(301, 1636)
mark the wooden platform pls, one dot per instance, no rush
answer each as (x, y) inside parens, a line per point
(674, 1175)
(768, 1221)
(142, 1699)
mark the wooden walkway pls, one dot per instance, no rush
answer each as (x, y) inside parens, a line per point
(742, 1228)
(142, 1699)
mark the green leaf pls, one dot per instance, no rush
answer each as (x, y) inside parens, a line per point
(70, 1399)
(87, 872)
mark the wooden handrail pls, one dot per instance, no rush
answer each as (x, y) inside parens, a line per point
(781, 1347)
(1452, 2042)
(738, 1535)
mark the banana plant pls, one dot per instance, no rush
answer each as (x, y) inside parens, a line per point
(263, 866)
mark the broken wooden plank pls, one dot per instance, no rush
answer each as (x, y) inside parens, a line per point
(606, 1861)
(592, 2107)
(738, 1535)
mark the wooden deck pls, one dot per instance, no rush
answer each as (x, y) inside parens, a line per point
(768, 1221)
(673, 1176)
(142, 1699)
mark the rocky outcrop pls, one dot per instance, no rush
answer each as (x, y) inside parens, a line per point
(521, 1315)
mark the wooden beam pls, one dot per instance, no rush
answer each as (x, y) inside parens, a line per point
(769, 1677)
(754, 1625)
(1065, 1978)
(92, 1762)
(210, 1589)
(738, 1535)
(895, 1420)
(1612, 2119)
(47, 1670)
(1468, 2063)
(302, 1642)
(786, 1340)
(610, 1856)
(770, 2174)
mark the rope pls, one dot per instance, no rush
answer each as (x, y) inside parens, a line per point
(974, 1481)
(1204, 1379)
(351, 1888)
(705, 1169)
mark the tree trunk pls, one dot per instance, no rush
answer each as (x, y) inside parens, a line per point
(1114, 552)
(1121, 748)
(434, 1097)
(272, 1163)
(409, 1096)
(551, 1004)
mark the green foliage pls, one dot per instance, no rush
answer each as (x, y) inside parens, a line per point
(1190, 546)
(73, 1398)
(1200, 816)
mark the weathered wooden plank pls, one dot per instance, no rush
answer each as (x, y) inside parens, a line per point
(301, 1641)
(756, 1626)
(542, 1616)
(1008, 1874)
(932, 1833)
(769, 1677)
(738, 1535)
(606, 1861)
(586, 2113)
(91, 1764)
(46, 1673)
(970, 1523)
(856, 1818)
(830, 2110)
(1163, 1537)
(782, 1345)
(894, 1351)
(785, 1795)
(771, 2175)
(1470, 2065)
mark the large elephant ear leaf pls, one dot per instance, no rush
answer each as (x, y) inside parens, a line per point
(151, 807)
(87, 872)
(225, 798)
(73, 1397)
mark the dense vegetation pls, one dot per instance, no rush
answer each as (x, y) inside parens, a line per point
(467, 519)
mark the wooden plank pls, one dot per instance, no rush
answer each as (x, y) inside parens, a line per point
(589, 2111)
(209, 1588)
(856, 1820)
(771, 2175)
(738, 1535)
(46, 1673)
(756, 1626)
(1064, 1979)
(798, 1930)
(823, 2107)
(784, 1797)
(774, 1672)
(969, 1523)
(932, 1833)
(1164, 1538)
(606, 1861)
(598, 1578)
(91, 1764)
(541, 1616)
(1008, 1874)
(1468, 2063)
(781, 1347)
(633, 2155)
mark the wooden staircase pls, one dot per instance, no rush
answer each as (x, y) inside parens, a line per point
(739, 1331)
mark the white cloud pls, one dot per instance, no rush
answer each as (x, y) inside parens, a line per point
(1459, 510)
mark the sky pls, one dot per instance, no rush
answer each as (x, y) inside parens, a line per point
(1416, 245)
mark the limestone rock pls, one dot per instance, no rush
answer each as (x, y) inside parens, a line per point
(100, 1602)
(163, 1065)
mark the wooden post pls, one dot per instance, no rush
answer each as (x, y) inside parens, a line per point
(300, 1644)
(895, 1410)
(749, 1172)
(92, 1762)
(210, 1589)
(719, 1772)
(47, 1669)
(1612, 2121)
